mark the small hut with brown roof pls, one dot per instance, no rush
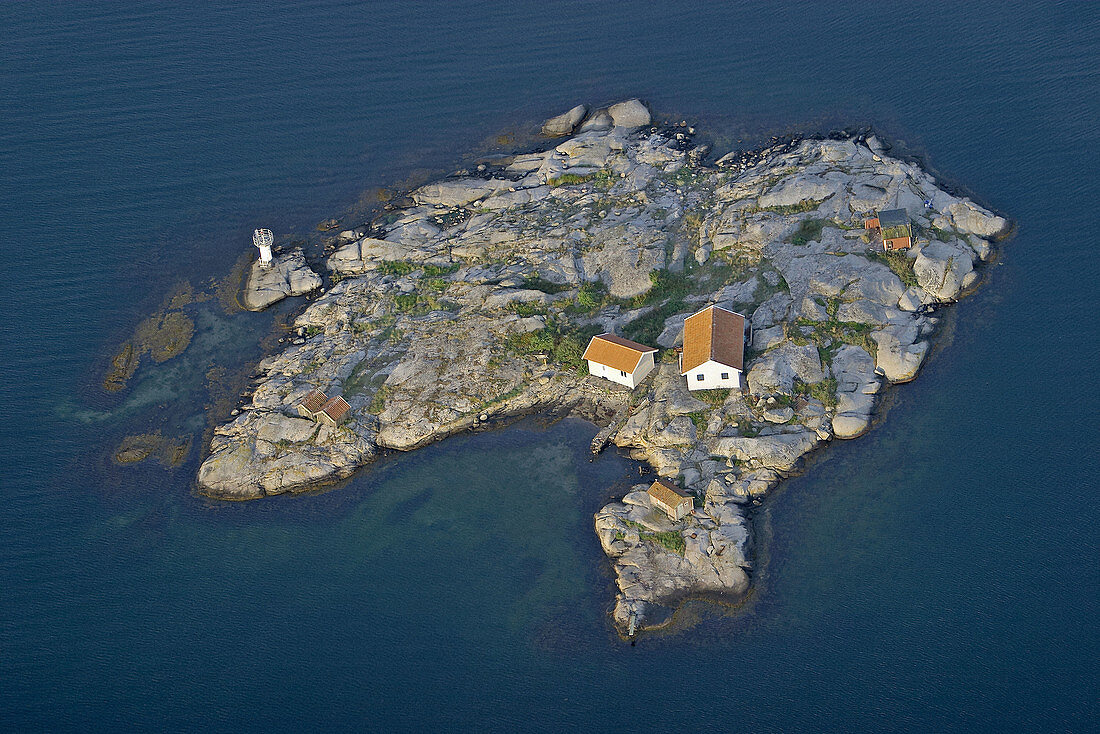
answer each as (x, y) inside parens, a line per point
(334, 412)
(311, 404)
(894, 228)
(714, 349)
(619, 360)
(670, 499)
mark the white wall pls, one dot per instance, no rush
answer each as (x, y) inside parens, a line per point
(630, 379)
(645, 366)
(712, 377)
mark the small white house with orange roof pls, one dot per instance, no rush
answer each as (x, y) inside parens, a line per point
(619, 360)
(713, 355)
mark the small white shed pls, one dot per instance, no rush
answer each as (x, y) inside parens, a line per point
(714, 349)
(619, 360)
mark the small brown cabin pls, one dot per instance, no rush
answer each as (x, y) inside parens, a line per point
(334, 412)
(319, 407)
(670, 499)
(894, 228)
(312, 404)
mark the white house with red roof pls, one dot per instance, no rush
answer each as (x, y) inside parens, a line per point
(619, 360)
(713, 355)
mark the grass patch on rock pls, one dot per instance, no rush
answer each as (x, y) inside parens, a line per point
(563, 344)
(808, 231)
(898, 262)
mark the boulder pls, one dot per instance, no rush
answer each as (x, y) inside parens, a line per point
(779, 414)
(765, 339)
(779, 452)
(776, 370)
(941, 268)
(286, 275)
(459, 192)
(564, 123)
(631, 113)
(587, 150)
(969, 217)
(899, 355)
(599, 120)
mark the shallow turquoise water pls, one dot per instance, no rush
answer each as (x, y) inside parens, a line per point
(938, 574)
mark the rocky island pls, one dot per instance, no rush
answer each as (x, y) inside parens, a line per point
(476, 301)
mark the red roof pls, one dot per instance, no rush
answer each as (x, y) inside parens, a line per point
(336, 408)
(616, 352)
(667, 492)
(713, 334)
(314, 401)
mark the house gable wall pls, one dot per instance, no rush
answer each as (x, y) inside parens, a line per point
(630, 379)
(711, 373)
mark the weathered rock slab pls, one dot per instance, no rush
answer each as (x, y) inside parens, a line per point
(286, 275)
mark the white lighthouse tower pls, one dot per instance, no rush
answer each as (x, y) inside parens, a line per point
(263, 239)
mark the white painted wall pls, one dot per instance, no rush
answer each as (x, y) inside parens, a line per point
(265, 253)
(630, 379)
(712, 377)
(675, 512)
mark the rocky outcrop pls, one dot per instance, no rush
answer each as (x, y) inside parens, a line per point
(475, 303)
(287, 274)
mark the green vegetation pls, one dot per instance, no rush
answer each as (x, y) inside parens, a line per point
(563, 344)
(746, 428)
(416, 304)
(504, 396)
(808, 231)
(313, 330)
(806, 205)
(435, 271)
(590, 298)
(669, 539)
(825, 391)
(668, 293)
(700, 421)
(396, 267)
(898, 261)
(715, 397)
(527, 308)
(378, 402)
(404, 267)
(689, 176)
(568, 179)
(436, 284)
(540, 284)
(826, 335)
(603, 179)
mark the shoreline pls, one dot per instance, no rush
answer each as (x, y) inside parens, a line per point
(547, 387)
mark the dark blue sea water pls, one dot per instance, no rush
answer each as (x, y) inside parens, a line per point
(940, 574)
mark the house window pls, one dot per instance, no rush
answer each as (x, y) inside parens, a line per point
(725, 375)
(622, 373)
(699, 377)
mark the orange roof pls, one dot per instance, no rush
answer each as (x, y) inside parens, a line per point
(664, 491)
(713, 334)
(616, 352)
(336, 408)
(314, 401)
